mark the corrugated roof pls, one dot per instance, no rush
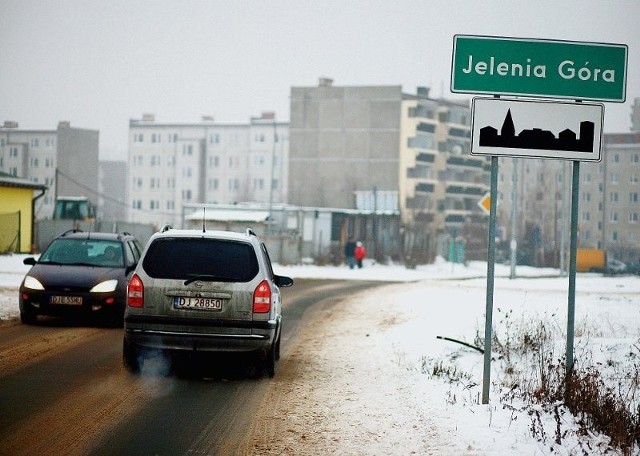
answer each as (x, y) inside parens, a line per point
(7, 180)
(230, 216)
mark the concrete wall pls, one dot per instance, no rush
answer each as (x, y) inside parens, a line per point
(342, 140)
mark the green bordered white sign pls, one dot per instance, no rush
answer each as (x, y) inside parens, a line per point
(539, 68)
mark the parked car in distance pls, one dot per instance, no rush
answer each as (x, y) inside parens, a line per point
(80, 274)
(204, 291)
(633, 268)
(615, 266)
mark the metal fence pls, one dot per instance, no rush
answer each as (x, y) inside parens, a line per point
(10, 232)
(48, 230)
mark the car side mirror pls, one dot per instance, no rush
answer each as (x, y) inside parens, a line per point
(30, 261)
(283, 281)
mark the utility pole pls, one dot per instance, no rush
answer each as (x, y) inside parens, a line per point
(514, 213)
(273, 157)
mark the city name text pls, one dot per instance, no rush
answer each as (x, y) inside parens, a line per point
(567, 69)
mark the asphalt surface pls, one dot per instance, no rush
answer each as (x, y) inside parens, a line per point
(63, 389)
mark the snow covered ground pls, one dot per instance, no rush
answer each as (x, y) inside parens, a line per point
(398, 337)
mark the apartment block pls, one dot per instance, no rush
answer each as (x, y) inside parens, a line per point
(440, 183)
(171, 164)
(344, 141)
(608, 203)
(64, 159)
(347, 142)
(112, 205)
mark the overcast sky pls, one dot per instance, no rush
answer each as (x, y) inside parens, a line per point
(98, 64)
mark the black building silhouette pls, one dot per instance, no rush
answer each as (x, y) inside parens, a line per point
(537, 138)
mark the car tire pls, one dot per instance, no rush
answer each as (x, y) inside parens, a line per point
(278, 349)
(270, 360)
(130, 357)
(28, 318)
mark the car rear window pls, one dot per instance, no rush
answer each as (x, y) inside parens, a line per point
(185, 258)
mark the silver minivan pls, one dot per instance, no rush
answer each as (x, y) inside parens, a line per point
(204, 291)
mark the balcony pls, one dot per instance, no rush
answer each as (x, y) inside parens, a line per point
(465, 190)
(467, 162)
(454, 218)
(426, 157)
(425, 188)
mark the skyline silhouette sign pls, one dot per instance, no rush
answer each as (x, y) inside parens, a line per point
(537, 129)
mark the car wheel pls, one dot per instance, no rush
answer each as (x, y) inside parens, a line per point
(28, 318)
(278, 349)
(130, 357)
(270, 361)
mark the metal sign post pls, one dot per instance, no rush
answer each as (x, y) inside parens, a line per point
(491, 260)
(573, 249)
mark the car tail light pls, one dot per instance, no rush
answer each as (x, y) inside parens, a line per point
(135, 292)
(262, 298)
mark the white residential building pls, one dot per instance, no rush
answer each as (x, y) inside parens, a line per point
(171, 164)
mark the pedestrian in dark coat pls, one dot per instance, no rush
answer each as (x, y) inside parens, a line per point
(349, 252)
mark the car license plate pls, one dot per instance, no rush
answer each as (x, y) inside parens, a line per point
(66, 300)
(180, 302)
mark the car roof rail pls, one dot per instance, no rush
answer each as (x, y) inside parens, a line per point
(74, 230)
(250, 232)
(167, 227)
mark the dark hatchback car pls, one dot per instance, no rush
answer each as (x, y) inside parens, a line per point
(80, 274)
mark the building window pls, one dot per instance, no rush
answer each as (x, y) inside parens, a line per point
(633, 217)
(613, 217)
(633, 197)
(613, 197)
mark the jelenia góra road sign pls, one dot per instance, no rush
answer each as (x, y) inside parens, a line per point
(539, 68)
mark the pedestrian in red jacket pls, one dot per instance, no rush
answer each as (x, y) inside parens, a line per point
(359, 253)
